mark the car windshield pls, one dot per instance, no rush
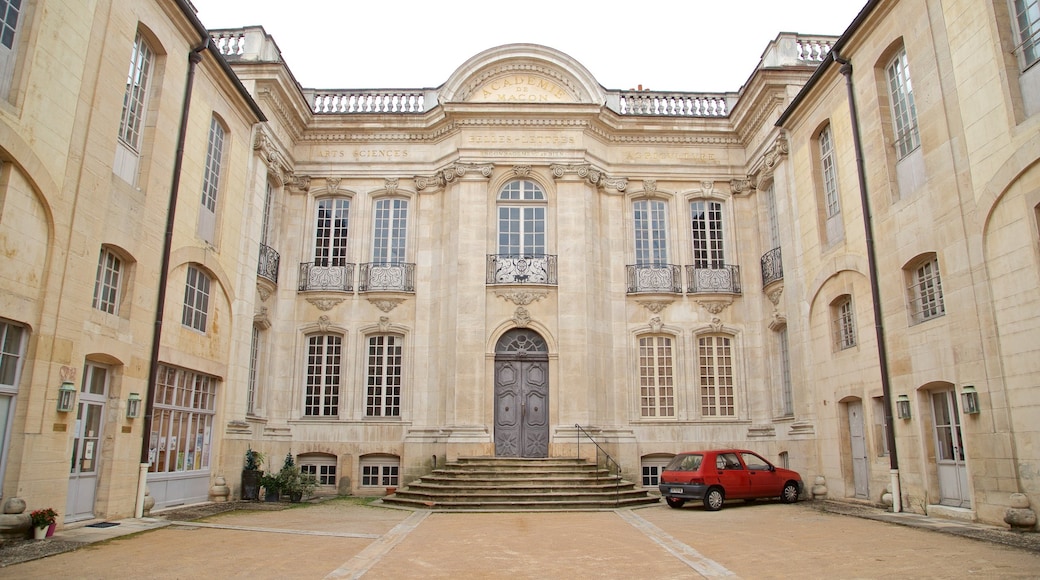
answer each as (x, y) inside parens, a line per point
(685, 463)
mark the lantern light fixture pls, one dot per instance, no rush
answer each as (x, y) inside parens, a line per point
(66, 396)
(970, 400)
(133, 406)
(903, 407)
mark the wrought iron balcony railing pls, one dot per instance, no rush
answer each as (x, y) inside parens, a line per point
(268, 265)
(772, 267)
(722, 279)
(387, 277)
(654, 278)
(320, 277)
(533, 269)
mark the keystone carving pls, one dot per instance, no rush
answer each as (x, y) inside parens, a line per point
(332, 183)
(384, 324)
(323, 323)
(522, 170)
(391, 185)
(521, 318)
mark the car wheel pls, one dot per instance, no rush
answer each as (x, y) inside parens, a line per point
(674, 502)
(790, 492)
(713, 499)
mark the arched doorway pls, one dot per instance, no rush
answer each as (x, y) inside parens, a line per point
(521, 395)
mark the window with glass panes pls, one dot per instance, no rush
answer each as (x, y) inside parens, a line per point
(904, 111)
(844, 323)
(131, 121)
(185, 404)
(521, 219)
(214, 158)
(324, 353)
(325, 475)
(385, 367)
(1027, 20)
(715, 366)
(829, 172)
(926, 294)
(786, 388)
(107, 282)
(706, 223)
(12, 356)
(656, 377)
(379, 472)
(390, 231)
(330, 237)
(196, 299)
(256, 347)
(651, 227)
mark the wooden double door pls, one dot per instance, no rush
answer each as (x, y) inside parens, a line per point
(521, 395)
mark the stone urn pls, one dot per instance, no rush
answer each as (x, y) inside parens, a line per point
(1019, 516)
(14, 523)
(819, 488)
(219, 491)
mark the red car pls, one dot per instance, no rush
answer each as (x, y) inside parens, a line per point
(717, 475)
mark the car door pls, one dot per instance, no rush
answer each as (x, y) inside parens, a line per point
(732, 475)
(763, 479)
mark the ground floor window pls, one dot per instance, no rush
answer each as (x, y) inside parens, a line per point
(652, 468)
(380, 471)
(321, 466)
(182, 428)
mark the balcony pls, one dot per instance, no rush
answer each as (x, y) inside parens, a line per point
(268, 266)
(722, 279)
(665, 278)
(772, 267)
(387, 277)
(534, 269)
(338, 278)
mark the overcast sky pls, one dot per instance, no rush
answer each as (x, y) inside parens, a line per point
(677, 45)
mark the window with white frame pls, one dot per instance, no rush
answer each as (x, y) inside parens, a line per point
(13, 338)
(521, 219)
(390, 231)
(324, 356)
(108, 282)
(135, 107)
(1027, 21)
(715, 366)
(319, 465)
(11, 15)
(772, 218)
(829, 172)
(211, 181)
(904, 111)
(385, 370)
(706, 224)
(182, 431)
(656, 377)
(196, 299)
(786, 388)
(652, 467)
(844, 322)
(265, 220)
(926, 294)
(330, 231)
(257, 346)
(880, 427)
(380, 471)
(651, 232)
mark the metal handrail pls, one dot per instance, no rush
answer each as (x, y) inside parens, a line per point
(617, 466)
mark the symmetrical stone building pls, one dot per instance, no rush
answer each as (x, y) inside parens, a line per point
(202, 257)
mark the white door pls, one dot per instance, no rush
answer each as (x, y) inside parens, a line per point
(86, 450)
(860, 472)
(949, 451)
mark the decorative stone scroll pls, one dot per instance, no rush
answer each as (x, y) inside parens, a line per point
(271, 154)
(594, 176)
(714, 307)
(386, 304)
(521, 170)
(299, 183)
(324, 304)
(649, 185)
(741, 185)
(654, 306)
(449, 174)
(521, 297)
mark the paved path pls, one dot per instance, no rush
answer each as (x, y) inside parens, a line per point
(345, 539)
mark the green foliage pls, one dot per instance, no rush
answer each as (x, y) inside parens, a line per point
(271, 483)
(291, 481)
(43, 517)
(253, 460)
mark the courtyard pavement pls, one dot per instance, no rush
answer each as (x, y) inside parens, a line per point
(352, 538)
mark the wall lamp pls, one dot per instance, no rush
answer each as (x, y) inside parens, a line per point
(66, 396)
(133, 406)
(970, 400)
(903, 407)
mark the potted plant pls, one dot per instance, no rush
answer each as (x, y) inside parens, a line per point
(42, 520)
(272, 485)
(251, 475)
(293, 482)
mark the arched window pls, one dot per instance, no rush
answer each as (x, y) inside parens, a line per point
(521, 220)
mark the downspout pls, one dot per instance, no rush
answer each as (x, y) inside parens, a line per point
(875, 293)
(194, 58)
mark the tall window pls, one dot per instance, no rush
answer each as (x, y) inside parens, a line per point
(926, 294)
(107, 283)
(185, 404)
(12, 357)
(904, 111)
(829, 172)
(324, 352)
(521, 219)
(330, 239)
(844, 323)
(390, 231)
(772, 218)
(1027, 19)
(196, 300)
(656, 377)
(10, 22)
(256, 349)
(706, 221)
(786, 388)
(880, 427)
(385, 366)
(135, 108)
(211, 181)
(265, 223)
(715, 363)
(651, 228)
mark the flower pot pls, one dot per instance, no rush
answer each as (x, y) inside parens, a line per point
(296, 497)
(50, 529)
(251, 484)
(40, 532)
(391, 490)
(270, 495)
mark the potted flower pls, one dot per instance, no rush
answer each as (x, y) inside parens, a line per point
(42, 520)
(272, 485)
(293, 482)
(251, 475)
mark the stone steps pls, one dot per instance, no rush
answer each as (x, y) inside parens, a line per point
(513, 484)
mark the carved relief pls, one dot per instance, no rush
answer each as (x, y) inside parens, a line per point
(654, 306)
(650, 185)
(716, 324)
(300, 183)
(332, 183)
(384, 324)
(67, 374)
(774, 295)
(261, 319)
(386, 304)
(324, 323)
(522, 170)
(590, 174)
(324, 304)
(714, 306)
(655, 324)
(521, 297)
(707, 186)
(391, 185)
(449, 174)
(521, 318)
(741, 185)
(263, 291)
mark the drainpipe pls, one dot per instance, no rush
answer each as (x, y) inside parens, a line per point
(194, 58)
(875, 294)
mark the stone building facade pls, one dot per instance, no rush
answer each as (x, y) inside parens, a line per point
(376, 282)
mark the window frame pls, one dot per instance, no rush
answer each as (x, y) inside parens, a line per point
(650, 232)
(844, 320)
(384, 375)
(178, 405)
(925, 291)
(390, 231)
(657, 377)
(715, 396)
(526, 232)
(323, 385)
(212, 179)
(197, 292)
(387, 470)
(828, 172)
(906, 134)
(109, 282)
(331, 231)
(1027, 33)
(707, 233)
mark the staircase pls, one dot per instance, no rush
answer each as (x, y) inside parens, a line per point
(515, 484)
